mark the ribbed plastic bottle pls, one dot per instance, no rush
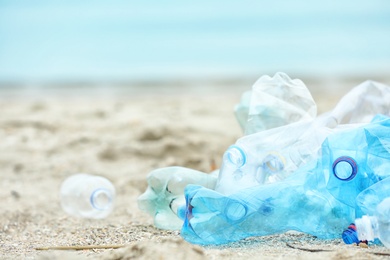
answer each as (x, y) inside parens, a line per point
(272, 154)
(377, 226)
(164, 196)
(311, 200)
(87, 196)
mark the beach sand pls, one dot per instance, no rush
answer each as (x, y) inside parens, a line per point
(48, 134)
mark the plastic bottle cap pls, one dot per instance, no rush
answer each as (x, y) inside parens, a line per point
(350, 235)
(236, 156)
(364, 228)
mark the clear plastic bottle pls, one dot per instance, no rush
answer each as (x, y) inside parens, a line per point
(311, 200)
(377, 226)
(277, 101)
(164, 196)
(272, 154)
(88, 196)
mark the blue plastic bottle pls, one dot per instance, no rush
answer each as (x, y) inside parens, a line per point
(368, 200)
(273, 154)
(318, 199)
(269, 156)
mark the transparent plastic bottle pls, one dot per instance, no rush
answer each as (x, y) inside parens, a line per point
(298, 203)
(277, 101)
(362, 103)
(377, 226)
(273, 154)
(265, 157)
(87, 196)
(311, 200)
(164, 196)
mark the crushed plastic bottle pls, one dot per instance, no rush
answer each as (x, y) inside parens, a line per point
(362, 103)
(268, 156)
(368, 200)
(362, 164)
(376, 226)
(277, 101)
(165, 194)
(367, 204)
(272, 155)
(318, 199)
(87, 196)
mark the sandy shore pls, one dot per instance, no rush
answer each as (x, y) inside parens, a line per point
(123, 135)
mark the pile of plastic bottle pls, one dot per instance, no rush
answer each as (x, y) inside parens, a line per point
(322, 175)
(292, 170)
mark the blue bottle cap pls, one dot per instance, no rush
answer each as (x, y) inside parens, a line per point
(350, 235)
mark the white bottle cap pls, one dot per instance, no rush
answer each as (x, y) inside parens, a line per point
(364, 228)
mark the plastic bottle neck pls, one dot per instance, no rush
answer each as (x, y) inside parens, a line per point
(101, 199)
(367, 228)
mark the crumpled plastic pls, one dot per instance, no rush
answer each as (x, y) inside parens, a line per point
(164, 193)
(318, 199)
(272, 155)
(275, 102)
(304, 134)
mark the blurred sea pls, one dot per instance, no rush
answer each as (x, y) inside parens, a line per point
(111, 41)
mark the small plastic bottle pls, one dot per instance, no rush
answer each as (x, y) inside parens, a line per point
(377, 226)
(164, 197)
(87, 196)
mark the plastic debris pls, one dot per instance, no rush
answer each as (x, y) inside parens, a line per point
(272, 155)
(278, 101)
(368, 200)
(350, 236)
(371, 227)
(165, 194)
(88, 196)
(269, 175)
(374, 202)
(318, 199)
